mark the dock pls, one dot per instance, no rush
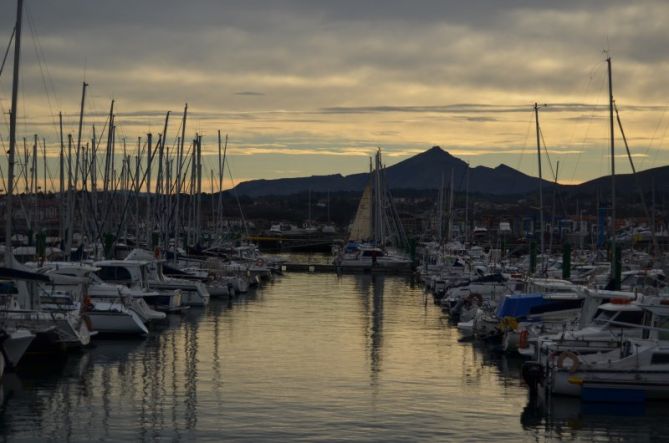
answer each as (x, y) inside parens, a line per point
(331, 268)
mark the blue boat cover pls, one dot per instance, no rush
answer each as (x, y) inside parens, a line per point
(519, 306)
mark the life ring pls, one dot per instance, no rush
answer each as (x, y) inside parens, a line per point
(260, 262)
(567, 355)
(523, 340)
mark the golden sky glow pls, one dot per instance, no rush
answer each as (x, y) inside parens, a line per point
(308, 88)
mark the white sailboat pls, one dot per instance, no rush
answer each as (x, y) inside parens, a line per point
(370, 233)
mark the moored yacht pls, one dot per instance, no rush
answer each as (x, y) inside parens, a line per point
(55, 327)
(193, 293)
(134, 275)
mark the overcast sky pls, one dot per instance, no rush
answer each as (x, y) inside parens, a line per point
(308, 87)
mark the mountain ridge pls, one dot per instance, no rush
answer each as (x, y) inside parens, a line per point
(424, 171)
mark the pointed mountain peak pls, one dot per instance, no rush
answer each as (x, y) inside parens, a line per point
(503, 167)
(436, 150)
(434, 153)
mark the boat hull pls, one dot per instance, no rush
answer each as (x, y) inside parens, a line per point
(117, 322)
(15, 346)
(619, 386)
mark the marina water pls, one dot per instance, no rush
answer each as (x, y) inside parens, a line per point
(308, 357)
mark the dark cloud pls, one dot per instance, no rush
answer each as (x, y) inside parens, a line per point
(250, 93)
(350, 73)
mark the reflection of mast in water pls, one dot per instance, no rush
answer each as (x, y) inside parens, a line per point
(191, 375)
(376, 328)
(106, 393)
(217, 311)
(152, 373)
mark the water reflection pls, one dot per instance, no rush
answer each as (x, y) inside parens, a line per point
(371, 291)
(311, 357)
(146, 387)
(570, 419)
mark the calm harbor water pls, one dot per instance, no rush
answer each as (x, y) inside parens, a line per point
(307, 358)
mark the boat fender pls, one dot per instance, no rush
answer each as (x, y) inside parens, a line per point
(620, 301)
(88, 304)
(508, 324)
(567, 355)
(523, 340)
(87, 320)
(533, 375)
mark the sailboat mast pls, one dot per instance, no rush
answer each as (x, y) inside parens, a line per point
(378, 202)
(449, 232)
(12, 135)
(614, 271)
(61, 195)
(440, 210)
(198, 215)
(72, 191)
(148, 225)
(217, 222)
(541, 191)
(180, 151)
(467, 204)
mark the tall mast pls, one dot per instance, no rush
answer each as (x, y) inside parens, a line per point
(61, 196)
(33, 181)
(541, 191)
(12, 135)
(440, 210)
(378, 217)
(160, 213)
(180, 151)
(219, 211)
(449, 232)
(466, 204)
(198, 198)
(614, 271)
(138, 189)
(148, 225)
(72, 199)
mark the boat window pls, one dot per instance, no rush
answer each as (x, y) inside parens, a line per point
(602, 316)
(8, 288)
(631, 317)
(662, 323)
(107, 273)
(122, 274)
(556, 305)
(493, 278)
(634, 317)
(659, 359)
(113, 273)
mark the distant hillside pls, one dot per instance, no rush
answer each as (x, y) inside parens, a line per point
(626, 183)
(422, 171)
